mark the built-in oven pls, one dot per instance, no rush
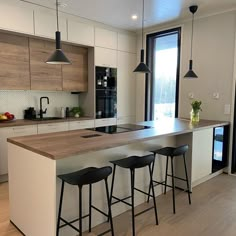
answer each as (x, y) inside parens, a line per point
(106, 103)
(106, 95)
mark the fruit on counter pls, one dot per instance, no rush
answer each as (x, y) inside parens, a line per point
(7, 116)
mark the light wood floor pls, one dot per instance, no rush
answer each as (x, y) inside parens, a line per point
(212, 213)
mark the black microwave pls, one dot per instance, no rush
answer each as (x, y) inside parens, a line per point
(106, 78)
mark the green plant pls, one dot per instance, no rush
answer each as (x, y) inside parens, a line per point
(77, 110)
(196, 106)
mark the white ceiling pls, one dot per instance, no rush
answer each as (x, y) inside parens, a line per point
(118, 13)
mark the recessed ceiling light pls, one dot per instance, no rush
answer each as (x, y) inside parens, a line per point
(134, 17)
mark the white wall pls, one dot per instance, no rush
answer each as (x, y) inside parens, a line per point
(17, 101)
(213, 58)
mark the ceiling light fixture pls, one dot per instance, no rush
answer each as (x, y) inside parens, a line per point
(58, 57)
(142, 67)
(190, 74)
(134, 17)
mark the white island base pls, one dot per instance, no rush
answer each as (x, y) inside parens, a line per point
(34, 187)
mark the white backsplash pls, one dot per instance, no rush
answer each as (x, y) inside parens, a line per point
(16, 102)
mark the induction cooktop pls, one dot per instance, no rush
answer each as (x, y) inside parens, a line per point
(113, 129)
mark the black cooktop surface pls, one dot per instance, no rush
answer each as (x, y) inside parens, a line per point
(113, 129)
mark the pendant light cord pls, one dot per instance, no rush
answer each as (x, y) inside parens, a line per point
(57, 15)
(192, 37)
(142, 23)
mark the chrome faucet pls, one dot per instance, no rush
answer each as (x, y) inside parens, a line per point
(41, 112)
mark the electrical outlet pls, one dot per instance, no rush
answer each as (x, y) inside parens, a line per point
(216, 95)
(191, 95)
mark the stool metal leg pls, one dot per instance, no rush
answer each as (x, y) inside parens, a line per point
(173, 184)
(90, 207)
(112, 185)
(167, 163)
(60, 207)
(132, 172)
(186, 174)
(153, 194)
(152, 169)
(109, 208)
(80, 210)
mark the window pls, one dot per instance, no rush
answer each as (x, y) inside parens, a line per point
(162, 85)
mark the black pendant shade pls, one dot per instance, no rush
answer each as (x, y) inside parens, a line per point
(191, 74)
(142, 67)
(58, 57)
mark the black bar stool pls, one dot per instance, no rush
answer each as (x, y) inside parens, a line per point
(87, 176)
(132, 163)
(172, 152)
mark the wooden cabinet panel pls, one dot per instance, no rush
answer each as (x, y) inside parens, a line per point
(14, 61)
(44, 76)
(75, 76)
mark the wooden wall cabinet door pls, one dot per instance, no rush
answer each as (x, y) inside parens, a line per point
(75, 76)
(14, 61)
(44, 76)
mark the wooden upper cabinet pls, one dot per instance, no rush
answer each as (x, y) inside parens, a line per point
(75, 76)
(14, 61)
(43, 76)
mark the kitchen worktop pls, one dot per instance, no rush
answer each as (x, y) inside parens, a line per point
(68, 143)
(22, 122)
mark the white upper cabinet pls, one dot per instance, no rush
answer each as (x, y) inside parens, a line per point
(105, 38)
(126, 43)
(105, 57)
(16, 16)
(46, 25)
(126, 85)
(80, 33)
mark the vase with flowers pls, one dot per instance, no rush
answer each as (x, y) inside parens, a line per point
(196, 108)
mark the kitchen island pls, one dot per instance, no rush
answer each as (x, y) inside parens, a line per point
(35, 161)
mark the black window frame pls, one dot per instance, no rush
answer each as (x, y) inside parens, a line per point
(149, 77)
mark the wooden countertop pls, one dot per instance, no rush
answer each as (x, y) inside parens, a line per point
(22, 122)
(68, 143)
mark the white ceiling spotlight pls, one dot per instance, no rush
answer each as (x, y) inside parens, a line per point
(134, 17)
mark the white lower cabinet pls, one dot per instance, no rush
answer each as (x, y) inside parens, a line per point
(52, 127)
(83, 124)
(105, 122)
(12, 132)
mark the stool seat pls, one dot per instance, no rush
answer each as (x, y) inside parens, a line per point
(134, 162)
(171, 151)
(85, 176)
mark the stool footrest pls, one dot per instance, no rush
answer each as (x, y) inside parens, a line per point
(139, 190)
(148, 209)
(121, 200)
(177, 177)
(103, 213)
(70, 223)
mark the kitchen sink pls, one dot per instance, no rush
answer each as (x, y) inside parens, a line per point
(47, 118)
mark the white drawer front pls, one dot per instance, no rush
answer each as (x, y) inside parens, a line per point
(52, 127)
(105, 122)
(24, 130)
(73, 125)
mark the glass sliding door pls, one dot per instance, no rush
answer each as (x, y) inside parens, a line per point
(163, 56)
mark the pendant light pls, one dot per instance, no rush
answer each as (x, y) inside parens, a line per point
(58, 57)
(190, 74)
(142, 67)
